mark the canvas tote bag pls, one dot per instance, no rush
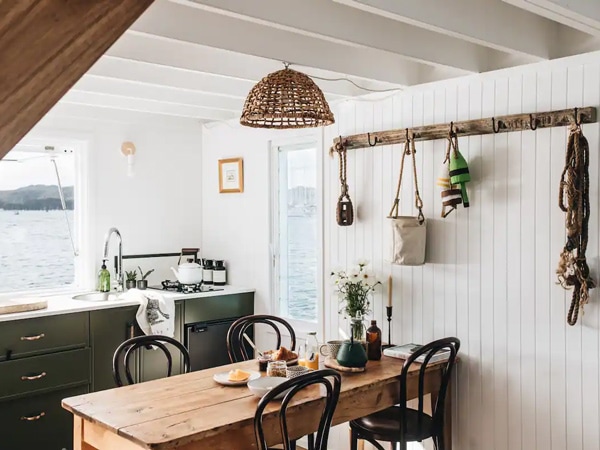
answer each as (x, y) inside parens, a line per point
(409, 233)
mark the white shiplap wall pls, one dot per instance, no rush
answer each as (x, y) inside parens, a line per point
(526, 379)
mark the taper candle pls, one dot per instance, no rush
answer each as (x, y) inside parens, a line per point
(390, 290)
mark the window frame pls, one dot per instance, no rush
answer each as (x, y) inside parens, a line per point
(83, 277)
(309, 140)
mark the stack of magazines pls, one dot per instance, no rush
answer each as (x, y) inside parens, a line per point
(404, 352)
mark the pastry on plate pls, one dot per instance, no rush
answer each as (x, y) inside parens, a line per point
(238, 375)
(283, 354)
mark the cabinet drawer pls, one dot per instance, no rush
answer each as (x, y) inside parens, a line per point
(38, 422)
(220, 307)
(29, 337)
(38, 373)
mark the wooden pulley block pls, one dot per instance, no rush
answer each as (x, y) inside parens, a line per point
(344, 212)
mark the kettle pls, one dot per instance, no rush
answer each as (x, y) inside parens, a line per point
(352, 354)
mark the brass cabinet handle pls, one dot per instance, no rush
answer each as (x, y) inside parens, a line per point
(33, 338)
(32, 418)
(35, 377)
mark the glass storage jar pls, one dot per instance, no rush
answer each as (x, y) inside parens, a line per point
(276, 369)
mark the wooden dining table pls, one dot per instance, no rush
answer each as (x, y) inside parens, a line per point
(192, 411)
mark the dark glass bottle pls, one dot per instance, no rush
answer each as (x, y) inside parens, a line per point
(374, 341)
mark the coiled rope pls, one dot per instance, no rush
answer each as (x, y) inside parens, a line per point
(574, 200)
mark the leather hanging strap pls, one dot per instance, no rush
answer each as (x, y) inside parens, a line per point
(344, 210)
(409, 149)
(574, 200)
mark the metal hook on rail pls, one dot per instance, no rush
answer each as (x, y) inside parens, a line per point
(533, 123)
(577, 118)
(377, 141)
(500, 125)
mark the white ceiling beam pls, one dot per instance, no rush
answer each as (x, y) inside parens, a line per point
(490, 23)
(135, 89)
(162, 75)
(177, 22)
(178, 63)
(145, 105)
(341, 24)
(583, 15)
(72, 111)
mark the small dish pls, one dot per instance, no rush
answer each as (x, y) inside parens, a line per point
(223, 378)
(261, 386)
(296, 371)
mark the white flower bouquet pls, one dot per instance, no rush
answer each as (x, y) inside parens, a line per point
(354, 288)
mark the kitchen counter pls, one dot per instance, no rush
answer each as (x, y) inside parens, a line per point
(65, 304)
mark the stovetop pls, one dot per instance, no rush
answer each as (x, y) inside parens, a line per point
(176, 286)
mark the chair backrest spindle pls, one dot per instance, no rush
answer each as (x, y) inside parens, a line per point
(328, 378)
(451, 345)
(125, 351)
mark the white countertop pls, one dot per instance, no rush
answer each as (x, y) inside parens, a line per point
(65, 304)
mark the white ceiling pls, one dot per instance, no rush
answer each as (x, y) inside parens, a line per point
(197, 59)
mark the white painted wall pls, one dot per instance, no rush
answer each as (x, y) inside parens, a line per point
(236, 225)
(157, 210)
(526, 379)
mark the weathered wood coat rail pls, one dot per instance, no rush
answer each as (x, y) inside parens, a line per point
(491, 125)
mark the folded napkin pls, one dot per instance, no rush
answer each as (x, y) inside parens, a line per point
(156, 314)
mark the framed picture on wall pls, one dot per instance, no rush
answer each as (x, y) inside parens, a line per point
(231, 175)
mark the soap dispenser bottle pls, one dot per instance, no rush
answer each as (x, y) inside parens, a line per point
(104, 278)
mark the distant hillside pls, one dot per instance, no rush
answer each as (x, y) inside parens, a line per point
(35, 197)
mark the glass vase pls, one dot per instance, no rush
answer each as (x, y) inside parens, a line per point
(357, 328)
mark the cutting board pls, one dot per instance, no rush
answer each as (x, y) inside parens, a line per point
(333, 364)
(22, 305)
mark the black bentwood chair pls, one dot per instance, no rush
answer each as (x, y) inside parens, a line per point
(238, 348)
(236, 344)
(123, 354)
(329, 378)
(400, 424)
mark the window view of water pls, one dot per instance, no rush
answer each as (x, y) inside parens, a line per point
(298, 246)
(35, 250)
(302, 267)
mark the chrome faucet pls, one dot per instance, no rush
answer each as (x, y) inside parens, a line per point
(119, 268)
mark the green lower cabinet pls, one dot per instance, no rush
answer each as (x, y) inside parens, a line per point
(38, 422)
(108, 329)
(153, 363)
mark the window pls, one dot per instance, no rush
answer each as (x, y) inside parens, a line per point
(37, 245)
(296, 236)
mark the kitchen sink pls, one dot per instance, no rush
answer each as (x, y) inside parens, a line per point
(96, 296)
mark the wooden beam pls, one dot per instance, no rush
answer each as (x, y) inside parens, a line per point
(502, 124)
(47, 45)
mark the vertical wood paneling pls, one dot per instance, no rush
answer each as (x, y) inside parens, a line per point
(528, 267)
(557, 295)
(526, 379)
(513, 269)
(543, 268)
(589, 338)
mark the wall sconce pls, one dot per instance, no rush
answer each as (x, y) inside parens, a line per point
(128, 149)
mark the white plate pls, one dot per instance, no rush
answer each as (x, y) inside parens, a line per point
(261, 386)
(223, 378)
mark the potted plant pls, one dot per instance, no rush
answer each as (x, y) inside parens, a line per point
(143, 283)
(130, 279)
(354, 290)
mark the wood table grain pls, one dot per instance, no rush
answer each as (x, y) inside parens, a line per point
(192, 412)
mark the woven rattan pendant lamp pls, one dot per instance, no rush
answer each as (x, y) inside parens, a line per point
(286, 99)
